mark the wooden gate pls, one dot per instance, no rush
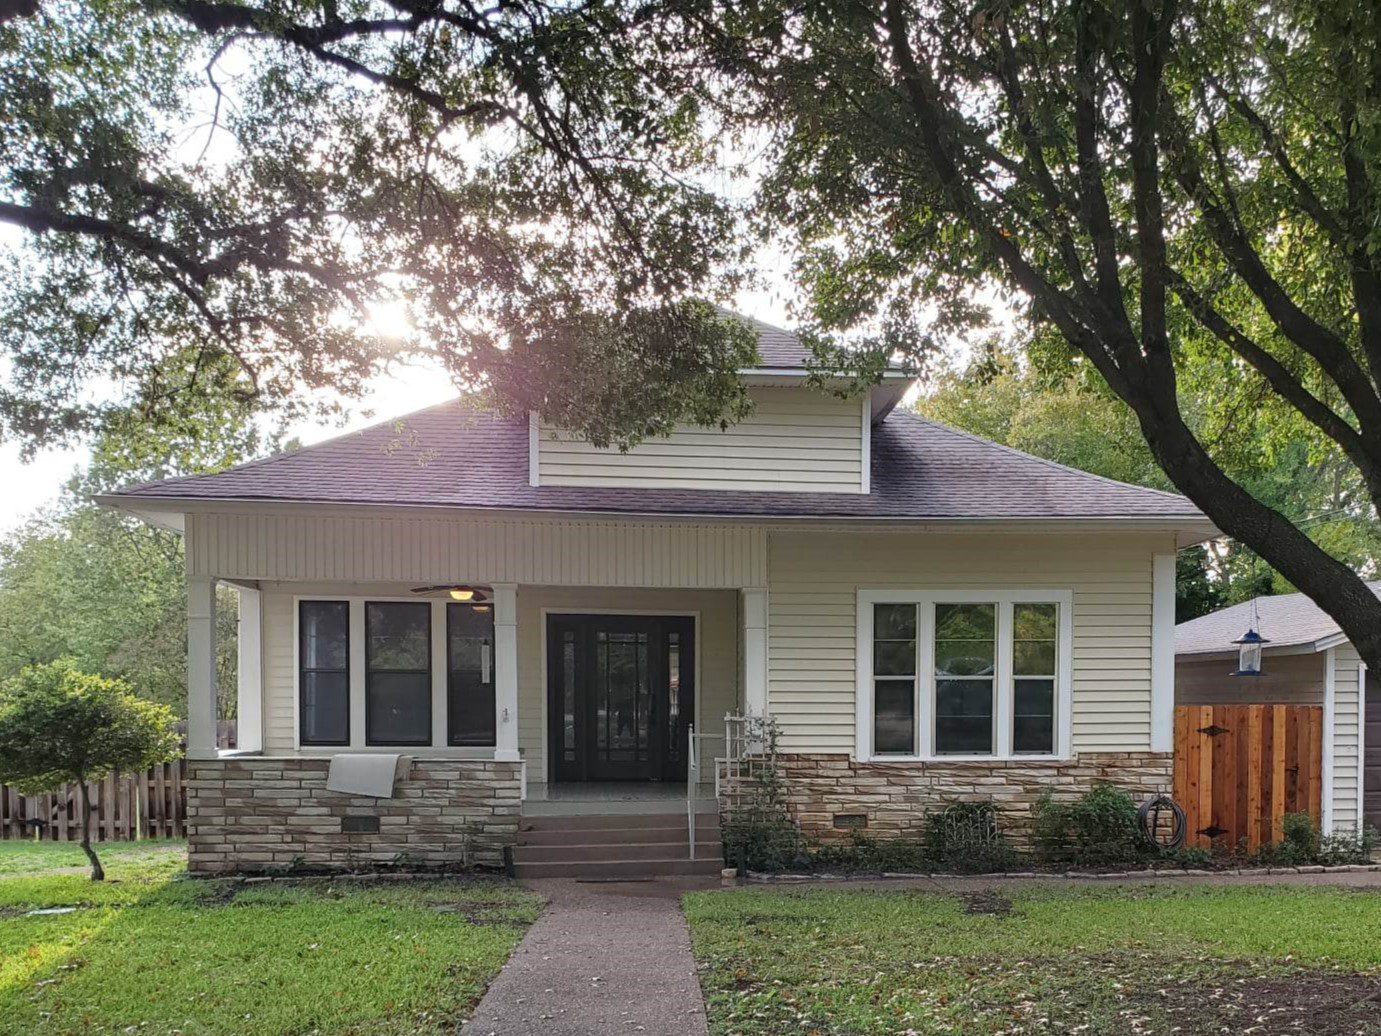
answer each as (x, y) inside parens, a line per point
(1240, 768)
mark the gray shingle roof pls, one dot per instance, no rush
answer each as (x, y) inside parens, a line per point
(453, 456)
(1286, 620)
(778, 348)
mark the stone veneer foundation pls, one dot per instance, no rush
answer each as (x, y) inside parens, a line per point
(253, 814)
(895, 797)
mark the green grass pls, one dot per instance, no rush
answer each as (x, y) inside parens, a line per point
(1105, 959)
(24, 857)
(149, 954)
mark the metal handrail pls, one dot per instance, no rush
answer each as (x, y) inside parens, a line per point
(692, 782)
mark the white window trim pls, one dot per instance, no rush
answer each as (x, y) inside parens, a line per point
(358, 676)
(926, 599)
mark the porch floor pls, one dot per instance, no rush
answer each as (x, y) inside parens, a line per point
(601, 799)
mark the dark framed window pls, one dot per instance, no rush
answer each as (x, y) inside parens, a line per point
(469, 674)
(894, 679)
(323, 680)
(398, 673)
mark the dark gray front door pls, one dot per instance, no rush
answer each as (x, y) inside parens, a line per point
(621, 694)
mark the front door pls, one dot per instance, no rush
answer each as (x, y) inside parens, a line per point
(621, 694)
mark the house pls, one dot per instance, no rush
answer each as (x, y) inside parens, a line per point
(1307, 661)
(538, 625)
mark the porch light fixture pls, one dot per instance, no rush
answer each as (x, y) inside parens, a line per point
(463, 594)
(1249, 648)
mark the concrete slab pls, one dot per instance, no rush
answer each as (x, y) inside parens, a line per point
(604, 957)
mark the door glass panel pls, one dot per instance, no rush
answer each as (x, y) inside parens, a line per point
(568, 695)
(622, 697)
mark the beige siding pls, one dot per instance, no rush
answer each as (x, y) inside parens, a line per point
(796, 439)
(1284, 679)
(374, 548)
(814, 579)
(717, 652)
(1347, 768)
(718, 676)
(279, 680)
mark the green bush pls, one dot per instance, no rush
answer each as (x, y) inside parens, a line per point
(1302, 844)
(1098, 829)
(1192, 857)
(873, 855)
(964, 839)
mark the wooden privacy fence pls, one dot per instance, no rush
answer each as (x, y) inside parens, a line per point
(146, 805)
(1240, 768)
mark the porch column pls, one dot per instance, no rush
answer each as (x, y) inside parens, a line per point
(754, 612)
(249, 723)
(1163, 653)
(506, 671)
(201, 667)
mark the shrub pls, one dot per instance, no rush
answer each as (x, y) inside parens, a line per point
(1335, 850)
(1191, 857)
(964, 839)
(1301, 837)
(758, 833)
(1098, 829)
(863, 853)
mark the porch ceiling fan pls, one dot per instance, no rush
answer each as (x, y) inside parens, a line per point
(464, 594)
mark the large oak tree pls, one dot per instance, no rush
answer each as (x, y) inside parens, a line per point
(1148, 179)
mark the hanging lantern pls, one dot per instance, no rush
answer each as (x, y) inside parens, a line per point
(1249, 653)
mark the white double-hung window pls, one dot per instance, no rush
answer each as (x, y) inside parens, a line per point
(964, 675)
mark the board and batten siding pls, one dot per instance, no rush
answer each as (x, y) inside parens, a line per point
(796, 439)
(404, 547)
(1347, 714)
(814, 578)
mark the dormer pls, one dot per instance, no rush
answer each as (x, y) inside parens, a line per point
(798, 438)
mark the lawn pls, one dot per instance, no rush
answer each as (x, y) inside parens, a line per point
(1026, 958)
(147, 953)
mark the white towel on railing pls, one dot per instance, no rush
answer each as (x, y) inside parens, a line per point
(363, 773)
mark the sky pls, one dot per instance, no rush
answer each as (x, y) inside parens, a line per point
(28, 487)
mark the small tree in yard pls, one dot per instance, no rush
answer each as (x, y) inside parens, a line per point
(59, 725)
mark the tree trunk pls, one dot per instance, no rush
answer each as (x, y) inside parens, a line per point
(97, 871)
(1325, 580)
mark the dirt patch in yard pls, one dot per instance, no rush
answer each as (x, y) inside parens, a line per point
(986, 901)
(1316, 1002)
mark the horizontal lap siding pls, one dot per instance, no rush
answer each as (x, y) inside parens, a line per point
(796, 439)
(813, 583)
(1284, 679)
(1346, 716)
(279, 680)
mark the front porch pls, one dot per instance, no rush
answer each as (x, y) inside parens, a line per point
(525, 703)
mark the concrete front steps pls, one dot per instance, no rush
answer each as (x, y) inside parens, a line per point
(616, 845)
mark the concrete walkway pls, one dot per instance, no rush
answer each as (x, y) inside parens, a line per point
(603, 958)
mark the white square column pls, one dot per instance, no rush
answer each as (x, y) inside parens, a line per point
(1163, 653)
(249, 720)
(201, 667)
(754, 613)
(506, 672)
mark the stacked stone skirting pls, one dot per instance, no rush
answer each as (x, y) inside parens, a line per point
(252, 815)
(895, 797)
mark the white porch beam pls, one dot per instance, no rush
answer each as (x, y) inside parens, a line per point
(201, 667)
(249, 720)
(754, 612)
(506, 671)
(1163, 653)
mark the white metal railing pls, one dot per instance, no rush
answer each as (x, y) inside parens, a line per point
(694, 755)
